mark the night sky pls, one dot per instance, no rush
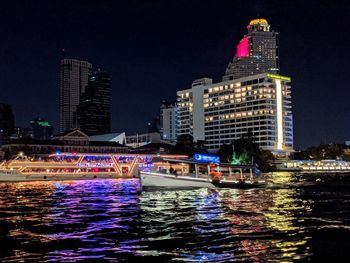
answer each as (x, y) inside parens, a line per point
(155, 48)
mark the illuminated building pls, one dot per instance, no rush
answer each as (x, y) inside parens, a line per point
(94, 109)
(41, 129)
(222, 112)
(74, 79)
(256, 53)
(168, 117)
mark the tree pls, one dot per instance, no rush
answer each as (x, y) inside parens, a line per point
(186, 145)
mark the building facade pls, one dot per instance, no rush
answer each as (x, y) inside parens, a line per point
(74, 79)
(94, 109)
(168, 121)
(256, 53)
(223, 112)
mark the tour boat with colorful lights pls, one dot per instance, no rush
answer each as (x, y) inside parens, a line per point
(202, 171)
(74, 166)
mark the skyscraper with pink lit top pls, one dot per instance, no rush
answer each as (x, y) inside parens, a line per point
(257, 52)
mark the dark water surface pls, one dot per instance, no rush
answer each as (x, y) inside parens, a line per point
(297, 218)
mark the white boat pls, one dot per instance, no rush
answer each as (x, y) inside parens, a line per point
(207, 175)
(153, 179)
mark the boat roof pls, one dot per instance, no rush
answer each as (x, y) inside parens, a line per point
(191, 161)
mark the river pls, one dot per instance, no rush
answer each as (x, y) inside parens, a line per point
(296, 218)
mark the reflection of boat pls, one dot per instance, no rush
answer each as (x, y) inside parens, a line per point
(175, 173)
(68, 166)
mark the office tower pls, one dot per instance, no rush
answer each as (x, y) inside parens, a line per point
(168, 119)
(74, 79)
(256, 53)
(223, 112)
(94, 110)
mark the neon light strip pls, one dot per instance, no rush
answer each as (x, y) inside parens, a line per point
(279, 103)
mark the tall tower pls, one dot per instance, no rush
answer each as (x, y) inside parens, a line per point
(256, 53)
(74, 79)
(94, 110)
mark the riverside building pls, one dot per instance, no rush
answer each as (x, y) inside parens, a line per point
(220, 113)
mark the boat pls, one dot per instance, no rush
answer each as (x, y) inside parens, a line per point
(75, 166)
(193, 173)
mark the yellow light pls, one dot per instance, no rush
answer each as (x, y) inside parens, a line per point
(258, 21)
(279, 114)
(275, 76)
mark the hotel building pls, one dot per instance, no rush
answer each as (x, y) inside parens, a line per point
(223, 112)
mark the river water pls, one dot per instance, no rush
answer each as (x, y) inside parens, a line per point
(296, 218)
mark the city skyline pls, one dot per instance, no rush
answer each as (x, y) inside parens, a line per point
(154, 55)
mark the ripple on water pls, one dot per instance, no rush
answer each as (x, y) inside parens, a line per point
(111, 220)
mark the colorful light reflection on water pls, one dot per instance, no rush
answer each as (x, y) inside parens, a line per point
(296, 218)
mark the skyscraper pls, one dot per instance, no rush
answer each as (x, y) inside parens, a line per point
(94, 110)
(256, 53)
(74, 79)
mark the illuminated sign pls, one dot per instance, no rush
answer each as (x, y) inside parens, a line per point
(275, 76)
(243, 48)
(205, 158)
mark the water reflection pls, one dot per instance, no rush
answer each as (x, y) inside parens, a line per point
(110, 220)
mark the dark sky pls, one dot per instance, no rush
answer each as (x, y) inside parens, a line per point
(154, 48)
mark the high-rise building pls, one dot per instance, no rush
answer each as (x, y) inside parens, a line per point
(223, 112)
(256, 53)
(41, 129)
(74, 79)
(7, 120)
(94, 110)
(168, 121)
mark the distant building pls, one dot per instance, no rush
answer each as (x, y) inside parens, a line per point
(220, 113)
(168, 121)
(41, 129)
(74, 79)
(94, 109)
(256, 53)
(7, 120)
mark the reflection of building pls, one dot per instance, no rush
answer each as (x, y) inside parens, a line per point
(94, 110)
(74, 79)
(41, 129)
(256, 53)
(168, 119)
(222, 112)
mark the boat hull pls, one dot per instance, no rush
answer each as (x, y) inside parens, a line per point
(158, 180)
